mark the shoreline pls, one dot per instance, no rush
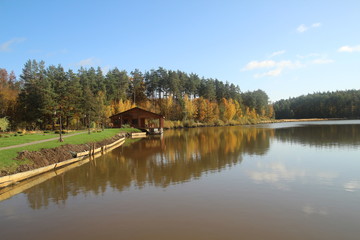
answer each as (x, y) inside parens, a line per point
(40, 155)
(258, 123)
(61, 159)
(57, 156)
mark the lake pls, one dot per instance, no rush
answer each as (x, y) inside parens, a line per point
(274, 181)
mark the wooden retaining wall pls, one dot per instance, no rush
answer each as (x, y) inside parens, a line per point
(92, 153)
(138, 135)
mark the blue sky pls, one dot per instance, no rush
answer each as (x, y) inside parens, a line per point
(286, 48)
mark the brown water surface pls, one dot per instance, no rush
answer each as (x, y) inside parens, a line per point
(278, 181)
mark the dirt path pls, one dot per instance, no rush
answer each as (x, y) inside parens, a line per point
(40, 141)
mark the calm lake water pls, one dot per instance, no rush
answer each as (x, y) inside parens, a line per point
(276, 181)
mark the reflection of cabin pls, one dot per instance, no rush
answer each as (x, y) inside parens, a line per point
(139, 118)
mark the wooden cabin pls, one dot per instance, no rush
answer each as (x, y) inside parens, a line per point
(139, 118)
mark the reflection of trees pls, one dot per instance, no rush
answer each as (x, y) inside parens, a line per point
(321, 135)
(179, 156)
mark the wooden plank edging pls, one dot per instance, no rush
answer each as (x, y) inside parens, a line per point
(138, 135)
(17, 177)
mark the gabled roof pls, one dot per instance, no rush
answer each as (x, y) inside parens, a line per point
(136, 111)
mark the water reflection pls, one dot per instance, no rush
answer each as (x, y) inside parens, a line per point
(177, 157)
(308, 210)
(293, 182)
(352, 186)
(321, 135)
(182, 155)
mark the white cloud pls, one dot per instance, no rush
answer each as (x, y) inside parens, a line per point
(315, 25)
(303, 28)
(278, 67)
(310, 55)
(315, 58)
(87, 62)
(270, 63)
(276, 53)
(6, 46)
(259, 64)
(349, 49)
(289, 64)
(271, 68)
(272, 73)
(322, 61)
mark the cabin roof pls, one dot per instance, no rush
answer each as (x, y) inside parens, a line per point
(136, 111)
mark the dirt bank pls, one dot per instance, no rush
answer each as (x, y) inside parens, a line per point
(45, 157)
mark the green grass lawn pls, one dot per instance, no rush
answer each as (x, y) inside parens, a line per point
(10, 140)
(8, 163)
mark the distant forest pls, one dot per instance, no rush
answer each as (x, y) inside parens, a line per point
(41, 95)
(87, 98)
(339, 104)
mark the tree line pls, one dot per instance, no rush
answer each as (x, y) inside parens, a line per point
(43, 95)
(338, 104)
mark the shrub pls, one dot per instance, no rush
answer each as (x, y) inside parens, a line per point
(233, 122)
(58, 131)
(218, 122)
(168, 124)
(93, 125)
(4, 124)
(189, 123)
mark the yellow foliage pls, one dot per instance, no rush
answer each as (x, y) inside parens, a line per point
(190, 108)
(121, 106)
(271, 111)
(230, 110)
(239, 113)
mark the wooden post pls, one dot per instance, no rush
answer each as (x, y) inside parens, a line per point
(161, 122)
(60, 138)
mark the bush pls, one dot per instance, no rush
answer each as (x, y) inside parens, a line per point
(4, 124)
(58, 132)
(189, 123)
(233, 122)
(93, 125)
(218, 122)
(168, 124)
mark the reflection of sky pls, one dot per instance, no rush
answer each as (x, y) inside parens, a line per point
(312, 210)
(279, 175)
(352, 186)
(289, 165)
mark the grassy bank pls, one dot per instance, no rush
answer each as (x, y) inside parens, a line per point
(7, 157)
(20, 138)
